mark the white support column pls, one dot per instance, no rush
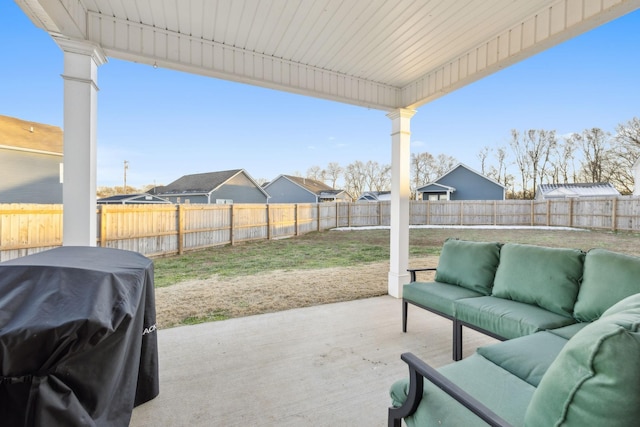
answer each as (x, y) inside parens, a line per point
(81, 61)
(400, 194)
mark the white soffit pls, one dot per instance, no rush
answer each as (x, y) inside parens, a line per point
(382, 54)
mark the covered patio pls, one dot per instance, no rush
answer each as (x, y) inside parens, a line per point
(328, 365)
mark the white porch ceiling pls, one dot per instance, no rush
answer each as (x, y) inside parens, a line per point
(382, 54)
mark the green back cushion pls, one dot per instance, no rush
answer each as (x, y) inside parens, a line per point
(595, 380)
(546, 277)
(471, 265)
(608, 278)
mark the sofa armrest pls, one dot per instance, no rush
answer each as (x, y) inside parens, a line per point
(418, 370)
(412, 271)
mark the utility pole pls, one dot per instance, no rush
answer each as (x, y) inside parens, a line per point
(126, 166)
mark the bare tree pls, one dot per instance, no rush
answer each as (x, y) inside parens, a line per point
(421, 170)
(483, 154)
(502, 158)
(542, 144)
(562, 168)
(354, 178)
(499, 172)
(629, 132)
(119, 189)
(595, 146)
(316, 173)
(625, 152)
(522, 160)
(442, 165)
(420, 166)
(333, 172)
(532, 151)
(377, 176)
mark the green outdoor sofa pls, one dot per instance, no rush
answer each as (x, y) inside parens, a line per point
(512, 290)
(569, 322)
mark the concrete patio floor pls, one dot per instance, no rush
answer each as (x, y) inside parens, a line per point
(328, 365)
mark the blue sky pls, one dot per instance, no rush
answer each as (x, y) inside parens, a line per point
(167, 124)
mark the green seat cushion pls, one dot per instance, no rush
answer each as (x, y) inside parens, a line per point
(546, 277)
(567, 332)
(504, 393)
(436, 296)
(506, 318)
(471, 265)
(595, 380)
(608, 278)
(527, 357)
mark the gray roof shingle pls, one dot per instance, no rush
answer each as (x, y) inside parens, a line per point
(198, 183)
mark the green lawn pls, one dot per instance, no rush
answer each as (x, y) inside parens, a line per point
(347, 248)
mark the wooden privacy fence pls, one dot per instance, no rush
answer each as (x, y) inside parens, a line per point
(156, 230)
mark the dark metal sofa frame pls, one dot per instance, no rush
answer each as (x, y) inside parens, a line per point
(457, 324)
(418, 371)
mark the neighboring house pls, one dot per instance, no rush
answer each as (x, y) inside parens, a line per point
(224, 187)
(462, 183)
(30, 162)
(132, 199)
(581, 190)
(294, 189)
(375, 196)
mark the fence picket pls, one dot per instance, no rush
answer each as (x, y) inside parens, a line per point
(173, 229)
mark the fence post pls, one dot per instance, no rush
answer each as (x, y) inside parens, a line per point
(337, 213)
(495, 212)
(570, 212)
(268, 221)
(532, 212)
(614, 214)
(180, 230)
(295, 219)
(379, 212)
(103, 225)
(318, 215)
(461, 212)
(548, 213)
(231, 219)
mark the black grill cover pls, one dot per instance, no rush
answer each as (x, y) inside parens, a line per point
(78, 341)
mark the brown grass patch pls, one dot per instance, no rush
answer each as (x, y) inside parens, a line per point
(272, 291)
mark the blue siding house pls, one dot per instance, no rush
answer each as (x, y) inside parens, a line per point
(462, 183)
(223, 187)
(295, 189)
(31, 161)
